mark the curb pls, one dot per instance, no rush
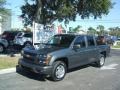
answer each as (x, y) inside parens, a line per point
(15, 55)
(6, 71)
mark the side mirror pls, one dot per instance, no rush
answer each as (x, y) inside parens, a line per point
(77, 46)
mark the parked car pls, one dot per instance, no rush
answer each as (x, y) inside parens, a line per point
(106, 39)
(3, 45)
(9, 36)
(63, 52)
(118, 38)
(23, 39)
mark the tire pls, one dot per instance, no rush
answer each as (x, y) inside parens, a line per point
(59, 71)
(27, 44)
(2, 48)
(101, 61)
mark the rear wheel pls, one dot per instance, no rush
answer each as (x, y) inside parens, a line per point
(2, 48)
(27, 44)
(101, 61)
(59, 71)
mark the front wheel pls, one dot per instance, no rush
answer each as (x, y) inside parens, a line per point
(101, 61)
(59, 71)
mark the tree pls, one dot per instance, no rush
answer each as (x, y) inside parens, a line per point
(101, 30)
(114, 31)
(91, 31)
(3, 10)
(75, 30)
(47, 11)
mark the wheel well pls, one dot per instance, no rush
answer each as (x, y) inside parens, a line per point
(65, 60)
(103, 53)
(27, 42)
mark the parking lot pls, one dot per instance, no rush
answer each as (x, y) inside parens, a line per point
(82, 78)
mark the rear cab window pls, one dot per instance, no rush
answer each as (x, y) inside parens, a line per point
(101, 40)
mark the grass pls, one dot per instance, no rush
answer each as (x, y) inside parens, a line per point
(8, 62)
(117, 46)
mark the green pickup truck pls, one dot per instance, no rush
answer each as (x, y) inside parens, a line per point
(64, 52)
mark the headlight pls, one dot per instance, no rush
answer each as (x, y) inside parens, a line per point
(47, 60)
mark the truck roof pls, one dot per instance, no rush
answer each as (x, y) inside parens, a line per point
(72, 35)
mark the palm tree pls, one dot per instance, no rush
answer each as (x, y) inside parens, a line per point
(101, 30)
(114, 31)
(76, 29)
(3, 10)
(91, 31)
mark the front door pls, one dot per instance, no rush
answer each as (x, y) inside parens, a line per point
(78, 54)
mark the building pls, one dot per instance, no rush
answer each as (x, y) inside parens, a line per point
(82, 32)
(5, 23)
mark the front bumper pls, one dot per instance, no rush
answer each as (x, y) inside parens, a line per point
(35, 68)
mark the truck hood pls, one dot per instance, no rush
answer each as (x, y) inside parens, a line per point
(43, 51)
(49, 50)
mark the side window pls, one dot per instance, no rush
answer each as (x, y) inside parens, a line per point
(90, 41)
(19, 34)
(80, 41)
(28, 35)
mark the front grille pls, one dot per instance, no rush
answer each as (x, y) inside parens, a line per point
(29, 53)
(30, 57)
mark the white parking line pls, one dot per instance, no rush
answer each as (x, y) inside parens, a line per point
(109, 67)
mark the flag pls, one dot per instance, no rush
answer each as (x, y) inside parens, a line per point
(60, 29)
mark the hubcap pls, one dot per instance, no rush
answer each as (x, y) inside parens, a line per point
(102, 60)
(1, 48)
(60, 71)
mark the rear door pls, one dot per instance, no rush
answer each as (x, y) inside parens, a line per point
(92, 49)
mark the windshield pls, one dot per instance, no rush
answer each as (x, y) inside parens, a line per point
(61, 40)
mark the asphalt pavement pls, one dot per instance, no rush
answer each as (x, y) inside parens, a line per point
(82, 78)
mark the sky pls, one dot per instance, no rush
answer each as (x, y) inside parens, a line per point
(110, 20)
